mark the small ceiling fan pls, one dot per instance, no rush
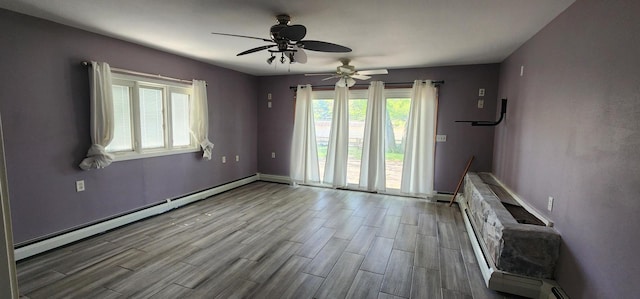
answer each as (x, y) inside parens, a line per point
(288, 40)
(347, 74)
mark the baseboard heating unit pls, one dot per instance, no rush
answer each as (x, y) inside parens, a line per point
(112, 223)
(503, 245)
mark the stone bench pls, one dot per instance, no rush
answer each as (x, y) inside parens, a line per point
(518, 248)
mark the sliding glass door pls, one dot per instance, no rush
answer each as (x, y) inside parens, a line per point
(357, 115)
(322, 117)
(398, 102)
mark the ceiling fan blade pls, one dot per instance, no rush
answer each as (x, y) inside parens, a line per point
(360, 77)
(325, 74)
(255, 50)
(374, 72)
(300, 55)
(332, 77)
(320, 46)
(235, 35)
(293, 32)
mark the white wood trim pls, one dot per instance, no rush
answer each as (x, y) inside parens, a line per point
(275, 178)
(287, 180)
(85, 232)
(442, 197)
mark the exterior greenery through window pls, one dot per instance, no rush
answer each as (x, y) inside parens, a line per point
(152, 118)
(398, 102)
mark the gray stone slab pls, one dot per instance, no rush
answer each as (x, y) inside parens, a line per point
(519, 248)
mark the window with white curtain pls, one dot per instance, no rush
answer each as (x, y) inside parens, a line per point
(152, 118)
(398, 101)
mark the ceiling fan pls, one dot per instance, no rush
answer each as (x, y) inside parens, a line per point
(288, 40)
(347, 74)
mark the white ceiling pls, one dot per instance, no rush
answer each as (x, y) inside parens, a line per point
(383, 34)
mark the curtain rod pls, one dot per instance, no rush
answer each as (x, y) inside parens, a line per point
(156, 76)
(436, 83)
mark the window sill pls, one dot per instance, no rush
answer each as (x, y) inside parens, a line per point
(150, 154)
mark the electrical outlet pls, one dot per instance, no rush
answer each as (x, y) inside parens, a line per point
(80, 186)
(273, 155)
(224, 159)
(550, 204)
(480, 103)
(481, 92)
(237, 158)
(441, 138)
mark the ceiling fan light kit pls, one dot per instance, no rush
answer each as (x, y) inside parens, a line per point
(288, 39)
(347, 74)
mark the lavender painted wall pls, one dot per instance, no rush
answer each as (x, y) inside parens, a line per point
(44, 101)
(573, 132)
(457, 101)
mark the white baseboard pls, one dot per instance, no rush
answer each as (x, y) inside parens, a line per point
(440, 197)
(88, 231)
(275, 178)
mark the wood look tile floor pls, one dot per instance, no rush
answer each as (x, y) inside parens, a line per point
(266, 240)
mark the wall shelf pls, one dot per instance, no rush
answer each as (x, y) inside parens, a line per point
(484, 123)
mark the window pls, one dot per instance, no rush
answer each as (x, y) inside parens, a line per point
(398, 102)
(152, 118)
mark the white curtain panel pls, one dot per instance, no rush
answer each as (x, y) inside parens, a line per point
(304, 152)
(102, 117)
(200, 118)
(372, 175)
(418, 166)
(335, 171)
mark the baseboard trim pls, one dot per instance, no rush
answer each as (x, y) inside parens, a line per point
(442, 197)
(98, 228)
(275, 178)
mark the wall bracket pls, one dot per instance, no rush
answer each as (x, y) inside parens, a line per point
(484, 123)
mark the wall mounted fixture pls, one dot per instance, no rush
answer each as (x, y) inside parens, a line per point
(484, 123)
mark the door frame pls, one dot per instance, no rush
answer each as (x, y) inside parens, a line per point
(8, 278)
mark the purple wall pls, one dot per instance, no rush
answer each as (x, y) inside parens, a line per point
(573, 132)
(457, 101)
(44, 101)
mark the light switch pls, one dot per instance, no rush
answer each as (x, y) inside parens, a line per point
(273, 155)
(224, 159)
(269, 104)
(480, 103)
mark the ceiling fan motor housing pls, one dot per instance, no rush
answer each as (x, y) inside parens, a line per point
(346, 70)
(283, 22)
